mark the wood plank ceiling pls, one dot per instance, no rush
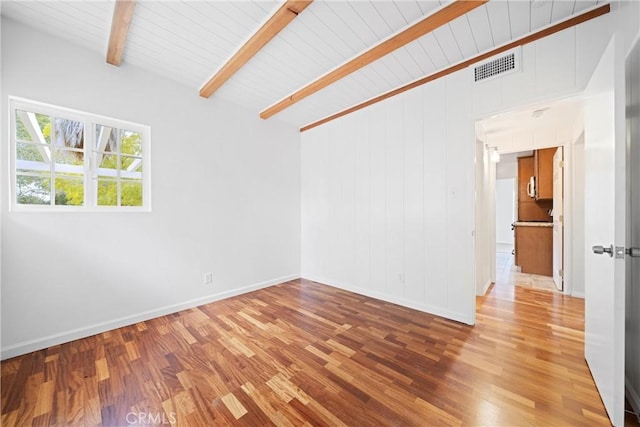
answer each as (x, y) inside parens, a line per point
(189, 41)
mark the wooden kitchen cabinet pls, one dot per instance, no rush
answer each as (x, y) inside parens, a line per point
(525, 171)
(543, 171)
(534, 249)
(528, 208)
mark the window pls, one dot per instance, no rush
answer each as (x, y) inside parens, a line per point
(70, 160)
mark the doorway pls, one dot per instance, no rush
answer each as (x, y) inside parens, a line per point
(525, 238)
(536, 132)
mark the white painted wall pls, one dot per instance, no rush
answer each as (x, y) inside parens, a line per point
(575, 241)
(387, 200)
(505, 212)
(507, 168)
(557, 66)
(548, 68)
(225, 190)
(360, 175)
(485, 236)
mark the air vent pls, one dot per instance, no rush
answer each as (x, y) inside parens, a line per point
(498, 67)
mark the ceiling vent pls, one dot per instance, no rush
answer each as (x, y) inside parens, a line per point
(502, 65)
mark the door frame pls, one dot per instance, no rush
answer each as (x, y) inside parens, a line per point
(487, 173)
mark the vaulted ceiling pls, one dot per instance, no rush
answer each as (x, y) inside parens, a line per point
(190, 41)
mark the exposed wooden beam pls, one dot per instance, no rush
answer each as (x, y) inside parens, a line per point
(122, 14)
(602, 10)
(419, 29)
(278, 21)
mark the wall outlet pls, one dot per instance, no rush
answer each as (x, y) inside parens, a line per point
(208, 278)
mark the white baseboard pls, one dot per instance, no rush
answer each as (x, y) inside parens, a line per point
(632, 396)
(485, 287)
(437, 311)
(577, 294)
(98, 328)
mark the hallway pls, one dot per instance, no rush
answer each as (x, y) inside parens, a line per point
(506, 275)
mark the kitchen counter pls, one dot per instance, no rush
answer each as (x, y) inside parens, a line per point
(533, 224)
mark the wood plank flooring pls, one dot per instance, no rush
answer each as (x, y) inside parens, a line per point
(302, 353)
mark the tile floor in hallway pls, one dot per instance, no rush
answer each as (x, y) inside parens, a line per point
(507, 275)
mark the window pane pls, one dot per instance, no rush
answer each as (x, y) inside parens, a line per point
(108, 165)
(69, 133)
(33, 190)
(106, 139)
(131, 192)
(130, 164)
(32, 152)
(131, 142)
(107, 192)
(69, 161)
(33, 127)
(69, 190)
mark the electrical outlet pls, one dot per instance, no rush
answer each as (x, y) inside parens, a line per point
(208, 278)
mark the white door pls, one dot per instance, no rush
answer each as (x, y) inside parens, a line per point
(632, 342)
(605, 229)
(558, 218)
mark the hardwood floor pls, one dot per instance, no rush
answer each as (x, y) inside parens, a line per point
(302, 353)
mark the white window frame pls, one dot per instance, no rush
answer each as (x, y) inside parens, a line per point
(90, 181)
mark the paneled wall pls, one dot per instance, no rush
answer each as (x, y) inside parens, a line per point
(393, 184)
(387, 197)
(548, 66)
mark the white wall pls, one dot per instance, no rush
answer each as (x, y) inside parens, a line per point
(557, 66)
(387, 197)
(548, 68)
(505, 212)
(225, 192)
(508, 169)
(485, 236)
(575, 241)
(365, 226)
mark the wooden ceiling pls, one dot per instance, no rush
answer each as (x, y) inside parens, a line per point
(298, 61)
